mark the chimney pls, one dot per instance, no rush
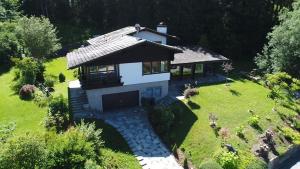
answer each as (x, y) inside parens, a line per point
(162, 28)
(137, 27)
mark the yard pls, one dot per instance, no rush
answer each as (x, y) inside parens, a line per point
(29, 117)
(231, 104)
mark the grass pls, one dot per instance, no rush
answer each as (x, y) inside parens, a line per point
(231, 104)
(29, 117)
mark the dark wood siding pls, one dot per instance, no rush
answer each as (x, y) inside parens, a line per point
(120, 100)
(139, 53)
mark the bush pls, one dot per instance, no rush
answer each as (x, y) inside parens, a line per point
(210, 164)
(27, 92)
(240, 131)
(6, 131)
(40, 99)
(162, 119)
(227, 160)
(291, 135)
(92, 134)
(253, 120)
(50, 80)
(28, 151)
(58, 115)
(189, 92)
(28, 69)
(257, 164)
(70, 150)
(61, 77)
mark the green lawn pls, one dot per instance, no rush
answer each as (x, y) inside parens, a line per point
(29, 117)
(231, 104)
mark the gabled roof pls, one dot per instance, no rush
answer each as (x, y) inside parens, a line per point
(196, 55)
(122, 32)
(109, 46)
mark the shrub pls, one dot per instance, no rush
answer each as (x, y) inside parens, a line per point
(28, 69)
(227, 160)
(61, 77)
(210, 164)
(224, 133)
(291, 135)
(58, 114)
(50, 80)
(92, 134)
(69, 150)
(28, 151)
(27, 92)
(253, 120)
(75, 74)
(189, 92)
(240, 131)
(40, 99)
(6, 131)
(162, 119)
(257, 164)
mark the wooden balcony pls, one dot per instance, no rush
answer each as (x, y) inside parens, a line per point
(98, 80)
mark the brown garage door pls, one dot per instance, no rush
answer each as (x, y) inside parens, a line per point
(120, 100)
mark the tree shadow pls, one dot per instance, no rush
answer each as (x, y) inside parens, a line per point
(184, 120)
(111, 137)
(258, 128)
(193, 105)
(234, 92)
(4, 69)
(243, 137)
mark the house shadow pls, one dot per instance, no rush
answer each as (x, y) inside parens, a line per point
(184, 120)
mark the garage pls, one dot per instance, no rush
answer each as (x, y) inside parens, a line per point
(120, 100)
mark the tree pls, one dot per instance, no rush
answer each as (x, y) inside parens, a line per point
(282, 52)
(37, 36)
(69, 150)
(27, 151)
(9, 44)
(9, 9)
(28, 72)
(227, 67)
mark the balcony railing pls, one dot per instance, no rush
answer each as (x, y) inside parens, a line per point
(99, 80)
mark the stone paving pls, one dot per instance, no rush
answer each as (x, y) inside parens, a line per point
(134, 126)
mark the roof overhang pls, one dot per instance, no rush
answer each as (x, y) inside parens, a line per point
(124, 50)
(197, 55)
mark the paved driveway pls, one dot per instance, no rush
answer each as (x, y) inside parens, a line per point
(134, 126)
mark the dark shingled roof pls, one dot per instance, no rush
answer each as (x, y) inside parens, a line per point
(196, 55)
(122, 32)
(101, 49)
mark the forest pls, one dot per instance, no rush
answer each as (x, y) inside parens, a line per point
(236, 29)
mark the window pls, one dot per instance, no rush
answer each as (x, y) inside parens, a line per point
(152, 92)
(199, 68)
(101, 69)
(155, 67)
(146, 68)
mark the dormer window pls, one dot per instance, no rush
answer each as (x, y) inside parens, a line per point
(155, 67)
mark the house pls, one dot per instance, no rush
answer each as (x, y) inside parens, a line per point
(120, 68)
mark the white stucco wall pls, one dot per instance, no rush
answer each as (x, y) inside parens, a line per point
(151, 37)
(132, 73)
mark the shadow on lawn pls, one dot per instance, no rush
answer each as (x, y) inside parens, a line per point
(193, 105)
(184, 120)
(111, 137)
(234, 92)
(4, 69)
